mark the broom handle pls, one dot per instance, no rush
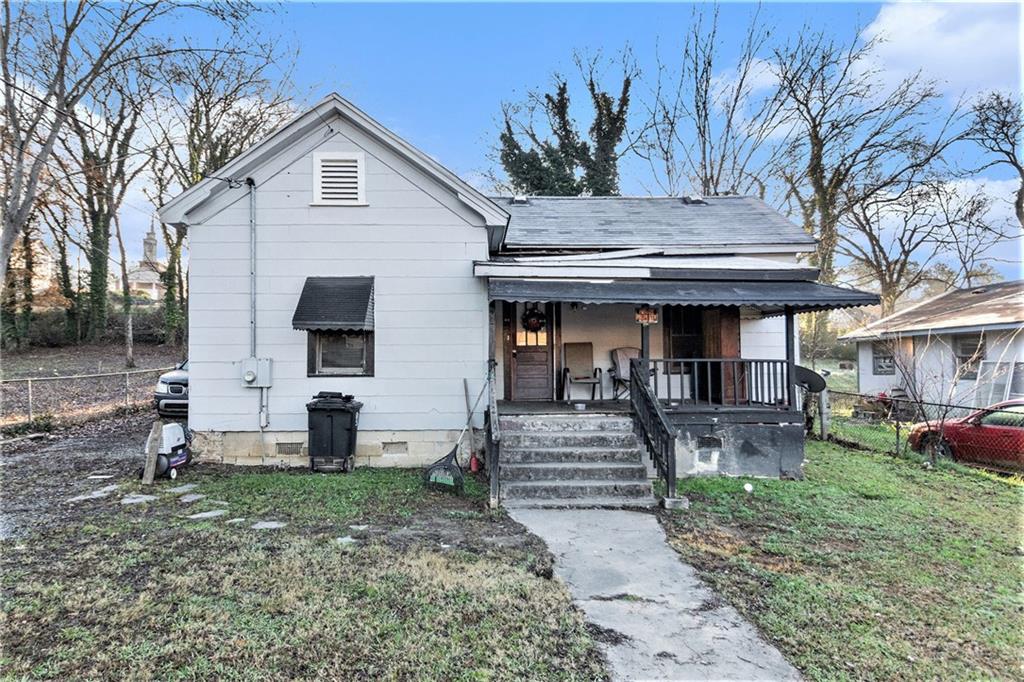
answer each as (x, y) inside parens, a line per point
(469, 421)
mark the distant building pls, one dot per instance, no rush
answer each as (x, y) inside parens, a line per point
(43, 266)
(145, 278)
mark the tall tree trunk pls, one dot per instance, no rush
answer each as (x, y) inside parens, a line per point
(67, 288)
(99, 273)
(126, 306)
(28, 273)
(174, 296)
(9, 309)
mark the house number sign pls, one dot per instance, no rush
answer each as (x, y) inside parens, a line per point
(646, 315)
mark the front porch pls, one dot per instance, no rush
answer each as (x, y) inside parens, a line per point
(592, 376)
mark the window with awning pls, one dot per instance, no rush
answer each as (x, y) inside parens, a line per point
(337, 313)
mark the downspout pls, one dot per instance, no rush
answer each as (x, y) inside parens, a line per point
(264, 406)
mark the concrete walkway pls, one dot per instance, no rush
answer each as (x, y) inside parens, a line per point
(658, 620)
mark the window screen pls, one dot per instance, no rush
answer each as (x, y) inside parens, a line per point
(342, 353)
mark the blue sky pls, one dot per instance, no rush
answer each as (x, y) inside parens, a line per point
(437, 74)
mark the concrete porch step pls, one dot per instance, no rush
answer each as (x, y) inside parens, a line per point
(573, 471)
(581, 438)
(565, 455)
(648, 502)
(556, 489)
(559, 423)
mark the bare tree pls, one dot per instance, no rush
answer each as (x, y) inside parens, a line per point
(857, 138)
(997, 126)
(51, 55)
(56, 212)
(854, 138)
(98, 156)
(711, 132)
(895, 239)
(213, 106)
(126, 300)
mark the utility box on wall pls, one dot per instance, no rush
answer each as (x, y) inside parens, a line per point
(256, 372)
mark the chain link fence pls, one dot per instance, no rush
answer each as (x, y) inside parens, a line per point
(989, 437)
(44, 402)
(993, 438)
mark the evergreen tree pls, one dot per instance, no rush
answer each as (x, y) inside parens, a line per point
(564, 164)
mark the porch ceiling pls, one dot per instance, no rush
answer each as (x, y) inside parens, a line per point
(772, 298)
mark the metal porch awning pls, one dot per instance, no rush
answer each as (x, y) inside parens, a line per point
(335, 303)
(771, 298)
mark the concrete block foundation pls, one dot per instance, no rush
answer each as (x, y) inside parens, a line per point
(290, 448)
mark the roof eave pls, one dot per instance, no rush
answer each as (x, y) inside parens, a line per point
(175, 212)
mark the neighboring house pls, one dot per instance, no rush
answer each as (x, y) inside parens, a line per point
(44, 267)
(379, 273)
(964, 347)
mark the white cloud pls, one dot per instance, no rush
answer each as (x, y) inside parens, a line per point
(967, 48)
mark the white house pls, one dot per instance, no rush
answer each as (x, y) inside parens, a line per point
(337, 257)
(963, 347)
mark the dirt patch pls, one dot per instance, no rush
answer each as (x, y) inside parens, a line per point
(427, 582)
(70, 400)
(39, 477)
(606, 635)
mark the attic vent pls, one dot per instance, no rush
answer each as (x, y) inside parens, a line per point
(339, 179)
(980, 290)
(694, 201)
(520, 200)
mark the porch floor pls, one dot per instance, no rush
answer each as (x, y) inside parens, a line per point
(515, 407)
(520, 407)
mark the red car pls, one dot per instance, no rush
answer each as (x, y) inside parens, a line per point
(993, 436)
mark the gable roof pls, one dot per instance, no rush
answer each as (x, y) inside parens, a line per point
(711, 224)
(994, 306)
(176, 211)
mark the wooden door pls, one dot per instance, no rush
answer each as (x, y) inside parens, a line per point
(721, 329)
(532, 358)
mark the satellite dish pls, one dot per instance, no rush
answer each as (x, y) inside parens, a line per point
(809, 380)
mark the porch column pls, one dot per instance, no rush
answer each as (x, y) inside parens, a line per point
(790, 359)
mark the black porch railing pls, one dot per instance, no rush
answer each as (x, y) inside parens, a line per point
(652, 423)
(493, 431)
(720, 382)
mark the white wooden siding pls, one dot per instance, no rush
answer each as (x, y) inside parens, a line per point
(413, 237)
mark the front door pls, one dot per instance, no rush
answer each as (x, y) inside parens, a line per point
(532, 356)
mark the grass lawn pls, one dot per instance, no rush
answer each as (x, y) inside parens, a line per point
(871, 568)
(436, 587)
(844, 380)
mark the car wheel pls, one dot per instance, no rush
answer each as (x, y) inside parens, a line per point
(937, 447)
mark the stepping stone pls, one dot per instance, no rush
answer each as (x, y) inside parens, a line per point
(220, 501)
(359, 527)
(100, 477)
(267, 525)
(212, 514)
(191, 497)
(137, 499)
(95, 494)
(347, 540)
(182, 488)
(240, 519)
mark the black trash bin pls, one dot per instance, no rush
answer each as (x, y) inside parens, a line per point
(333, 422)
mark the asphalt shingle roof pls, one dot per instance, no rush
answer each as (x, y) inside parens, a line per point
(602, 222)
(993, 304)
(331, 303)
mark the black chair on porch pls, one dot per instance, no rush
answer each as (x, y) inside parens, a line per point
(579, 369)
